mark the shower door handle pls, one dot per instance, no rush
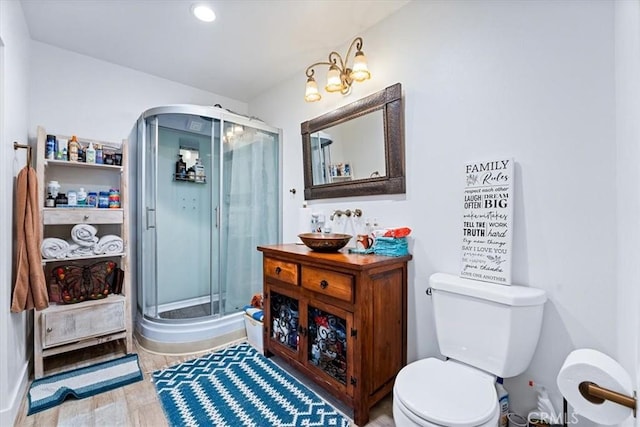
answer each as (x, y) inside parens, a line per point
(151, 219)
(217, 214)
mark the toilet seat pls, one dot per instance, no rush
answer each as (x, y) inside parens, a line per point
(446, 393)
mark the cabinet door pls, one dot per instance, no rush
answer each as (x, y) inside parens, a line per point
(283, 320)
(329, 343)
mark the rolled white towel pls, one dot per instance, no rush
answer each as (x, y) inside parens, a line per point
(109, 244)
(76, 250)
(84, 234)
(54, 248)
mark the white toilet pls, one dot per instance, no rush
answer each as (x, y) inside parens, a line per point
(485, 330)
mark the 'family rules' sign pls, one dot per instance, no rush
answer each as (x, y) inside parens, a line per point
(487, 221)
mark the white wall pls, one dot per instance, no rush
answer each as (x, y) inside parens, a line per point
(77, 94)
(627, 51)
(532, 80)
(14, 74)
(67, 93)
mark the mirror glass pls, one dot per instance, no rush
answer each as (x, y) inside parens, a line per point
(357, 149)
(189, 150)
(349, 151)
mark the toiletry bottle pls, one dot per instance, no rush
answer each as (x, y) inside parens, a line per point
(181, 168)
(73, 149)
(51, 147)
(90, 155)
(72, 198)
(82, 197)
(199, 169)
(99, 158)
(92, 199)
(503, 401)
(61, 154)
(50, 202)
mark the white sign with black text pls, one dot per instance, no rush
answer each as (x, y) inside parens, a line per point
(487, 221)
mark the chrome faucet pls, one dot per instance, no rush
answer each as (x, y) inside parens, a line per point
(348, 213)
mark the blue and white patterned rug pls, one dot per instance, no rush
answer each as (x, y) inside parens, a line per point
(238, 386)
(48, 392)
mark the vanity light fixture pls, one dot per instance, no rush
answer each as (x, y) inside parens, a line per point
(340, 76)
(203, 12)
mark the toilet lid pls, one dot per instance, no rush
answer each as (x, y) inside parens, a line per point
(446, 393)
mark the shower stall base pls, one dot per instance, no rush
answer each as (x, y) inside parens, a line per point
(190, 308)
(200, 334)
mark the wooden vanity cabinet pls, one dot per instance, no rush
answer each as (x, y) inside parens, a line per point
(339, 318)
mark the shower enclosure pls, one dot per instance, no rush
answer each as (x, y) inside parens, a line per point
(208, 192)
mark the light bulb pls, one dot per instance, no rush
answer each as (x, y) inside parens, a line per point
(360, 71)
(334, 82)
(311, 93)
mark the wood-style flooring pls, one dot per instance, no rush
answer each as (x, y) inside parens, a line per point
(135, 404)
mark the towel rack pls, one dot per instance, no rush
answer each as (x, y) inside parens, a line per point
(16, 145)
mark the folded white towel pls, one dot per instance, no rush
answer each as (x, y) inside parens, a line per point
(54, 248)
(84, 234)
(109, 244)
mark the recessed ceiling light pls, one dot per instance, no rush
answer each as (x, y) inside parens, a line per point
(203, 13)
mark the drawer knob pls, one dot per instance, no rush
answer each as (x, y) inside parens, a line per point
(49, 330)
(324, 284)
(86, 217)
(278, 270)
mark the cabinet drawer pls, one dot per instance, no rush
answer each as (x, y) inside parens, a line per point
(79, 216)
(331, 283)
(82, 322)
(281, 270)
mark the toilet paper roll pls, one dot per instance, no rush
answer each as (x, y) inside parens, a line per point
(598, 368)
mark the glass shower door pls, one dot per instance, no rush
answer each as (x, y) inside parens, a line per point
(180, 240)
(250, 208)
(147, 295)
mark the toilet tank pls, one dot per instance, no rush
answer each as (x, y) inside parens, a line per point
(491, 327)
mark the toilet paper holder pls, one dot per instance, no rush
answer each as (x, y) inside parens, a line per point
(596, 394)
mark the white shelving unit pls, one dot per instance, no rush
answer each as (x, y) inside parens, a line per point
(65, 327)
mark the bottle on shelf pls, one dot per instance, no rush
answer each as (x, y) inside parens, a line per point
(50, 150)
(90, 155)
(62, 149)
(50, 202)
(199, 169)
(181, 168)
(114, 198)
(82, 197)
(53, 188)
(72, 198)
(103, 199)
(61, 200)
(99, 156)
(92, 199)
(73, 149)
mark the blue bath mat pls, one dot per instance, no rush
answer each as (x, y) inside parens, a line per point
(48, 392)
(238, 386)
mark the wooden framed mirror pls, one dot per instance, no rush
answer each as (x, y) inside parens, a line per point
(357, 149)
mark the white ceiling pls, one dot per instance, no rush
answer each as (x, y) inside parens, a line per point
(251, 46)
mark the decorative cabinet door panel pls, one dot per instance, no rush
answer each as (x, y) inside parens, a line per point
(329, 343)
(284, 316)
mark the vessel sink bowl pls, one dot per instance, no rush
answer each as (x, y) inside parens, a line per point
(325, 242)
